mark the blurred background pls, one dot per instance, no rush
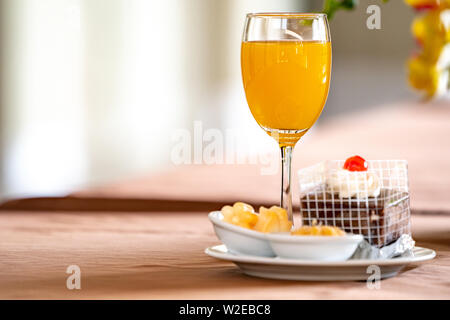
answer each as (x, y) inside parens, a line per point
(91, 91)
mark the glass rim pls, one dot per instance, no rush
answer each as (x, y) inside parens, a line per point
(288, 15)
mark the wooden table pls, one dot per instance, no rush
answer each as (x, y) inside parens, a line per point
(159, 255)
(144, 238)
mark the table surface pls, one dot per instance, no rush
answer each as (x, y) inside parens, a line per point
(159, 255)
(144, 238)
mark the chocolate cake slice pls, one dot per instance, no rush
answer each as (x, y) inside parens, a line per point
(381, 220)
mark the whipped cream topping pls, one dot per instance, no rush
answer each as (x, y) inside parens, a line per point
(347, 184)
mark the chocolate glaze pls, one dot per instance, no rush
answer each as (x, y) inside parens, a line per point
(381, 220)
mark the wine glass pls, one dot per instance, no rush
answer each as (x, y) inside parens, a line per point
(286, 66)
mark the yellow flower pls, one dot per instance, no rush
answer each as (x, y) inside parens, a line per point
(428, 4)
(423, 75)
(429, 70)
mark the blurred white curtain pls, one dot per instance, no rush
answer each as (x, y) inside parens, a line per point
(133, 85)
(41, 96)
(92, 89)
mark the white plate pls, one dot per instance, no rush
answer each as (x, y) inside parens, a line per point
(289, 269)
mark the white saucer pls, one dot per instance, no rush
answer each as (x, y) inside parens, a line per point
(289, 269)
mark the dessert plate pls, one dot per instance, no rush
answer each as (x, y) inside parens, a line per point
(307, 270)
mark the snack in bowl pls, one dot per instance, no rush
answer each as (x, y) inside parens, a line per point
(269, 233)
(318, 230)
(370, 198)
(240, 214)
(236, 233)
(244, 232)
(274, 219)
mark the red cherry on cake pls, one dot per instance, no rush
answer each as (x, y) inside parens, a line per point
(355, 163)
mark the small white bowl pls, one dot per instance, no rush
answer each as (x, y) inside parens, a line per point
(318, 248)
(240, 240)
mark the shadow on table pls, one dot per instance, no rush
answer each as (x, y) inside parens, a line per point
(92, 204)
(102, 204)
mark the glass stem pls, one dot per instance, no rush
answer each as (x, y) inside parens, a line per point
(286, 195)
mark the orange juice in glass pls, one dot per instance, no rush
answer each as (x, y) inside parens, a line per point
(286, 67)
(286, 83)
